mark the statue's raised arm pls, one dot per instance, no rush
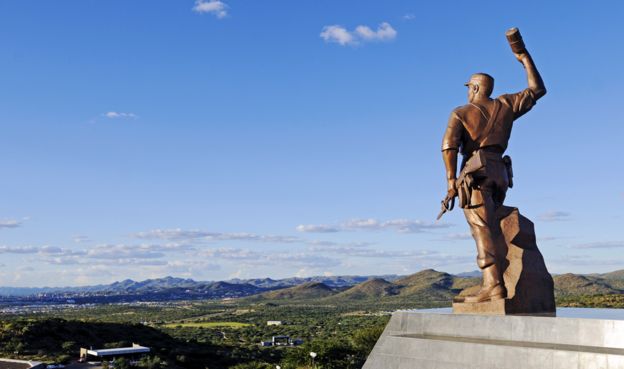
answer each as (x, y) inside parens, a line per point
(536, 84)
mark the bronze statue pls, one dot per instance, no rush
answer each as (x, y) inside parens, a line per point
(480, 131)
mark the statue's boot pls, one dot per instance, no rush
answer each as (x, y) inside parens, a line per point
(488, 293)
(492, 288)
(459, 298)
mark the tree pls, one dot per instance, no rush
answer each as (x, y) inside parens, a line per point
(68, 346)
(331, 354)
(365, 339)
(122, 363)
(253, 365)
(152, 362)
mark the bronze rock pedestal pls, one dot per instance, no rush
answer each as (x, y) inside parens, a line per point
(530, 288)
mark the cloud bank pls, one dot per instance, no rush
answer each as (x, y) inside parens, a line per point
(554, 216)
(10, 223)
(119, 115)
(398, 225)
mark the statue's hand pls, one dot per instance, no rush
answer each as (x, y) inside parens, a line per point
(452, 187)
(521, 57)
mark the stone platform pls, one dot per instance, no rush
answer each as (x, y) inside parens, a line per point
(425, 340)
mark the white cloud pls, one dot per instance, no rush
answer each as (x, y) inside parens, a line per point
(459, 236)
(384, 32)
(197, 235)
(340, 244)
(80, 239)
(340, 35)
(120, 115)
(409, 16)
(554, 216)
(215, 7)
(270, 258)
(18, 249)
(302, 259)
(584, 260)
(41, 250)
(600, 245)
(113, 255)
(365, 251)
(549, 238)
(337, 34)
(232, 254)
(10, 223)
(144, 251)
(399, 225)
(188, 268)
(411, 226)
(317, 228)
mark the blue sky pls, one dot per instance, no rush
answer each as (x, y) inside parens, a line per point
(215, 140)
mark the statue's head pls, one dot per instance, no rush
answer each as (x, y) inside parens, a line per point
(480, 85)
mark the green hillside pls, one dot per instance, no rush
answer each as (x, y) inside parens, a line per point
(573, 284)
(371, 289)
(310, 290)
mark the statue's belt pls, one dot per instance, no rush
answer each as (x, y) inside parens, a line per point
(478, 161)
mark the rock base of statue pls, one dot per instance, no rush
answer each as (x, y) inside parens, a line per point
(425, 340)
(530, 288)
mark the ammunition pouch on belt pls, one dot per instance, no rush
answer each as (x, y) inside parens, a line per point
(464, 191)
(466, 182)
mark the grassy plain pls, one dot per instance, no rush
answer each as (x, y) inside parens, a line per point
(206, 325)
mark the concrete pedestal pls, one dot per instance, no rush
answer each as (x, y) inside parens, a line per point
(422, 340)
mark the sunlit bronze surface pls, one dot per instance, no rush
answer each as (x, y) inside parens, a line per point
(480, 132)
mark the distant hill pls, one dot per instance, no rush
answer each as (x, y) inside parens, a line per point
(616, 275)
(373, 288)
(427, 285)
(149, 285)
(473, 274)
(426, 279)
(332, 281)
(310, 290)
(572, 284)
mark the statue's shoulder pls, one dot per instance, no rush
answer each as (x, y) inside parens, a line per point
(461, 111)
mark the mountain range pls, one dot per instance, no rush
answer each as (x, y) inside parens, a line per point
(427, 284)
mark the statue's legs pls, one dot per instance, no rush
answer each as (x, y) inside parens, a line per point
(486, 231)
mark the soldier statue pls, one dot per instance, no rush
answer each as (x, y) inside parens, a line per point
(480, 131)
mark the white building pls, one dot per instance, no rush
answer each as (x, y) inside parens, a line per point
(134, 352)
